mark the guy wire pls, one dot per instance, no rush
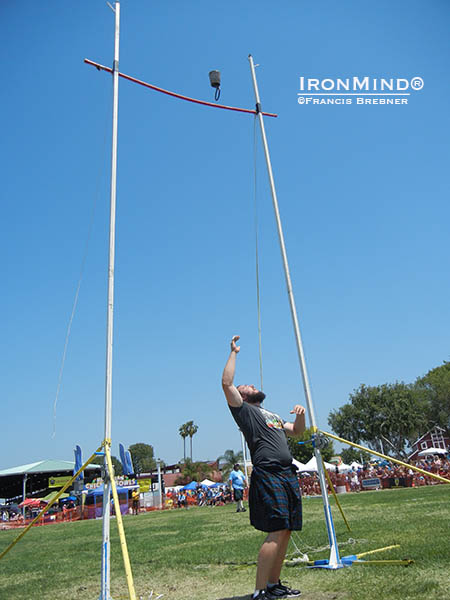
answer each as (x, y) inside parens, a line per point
(80, 278)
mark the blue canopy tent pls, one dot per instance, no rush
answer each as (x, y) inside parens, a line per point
(69, 499)
(190, 486)
(94, 497)
(193, 486)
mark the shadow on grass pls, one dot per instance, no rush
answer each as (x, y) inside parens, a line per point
(246, 597)
(312, 596)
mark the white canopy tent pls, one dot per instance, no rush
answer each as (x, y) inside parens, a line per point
(207, 482)
(343, 468)
(429, 451)
(311, 465)
(355, 465)
(298, 465)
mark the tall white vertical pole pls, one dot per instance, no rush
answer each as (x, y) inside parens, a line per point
(334, 561)
(106, 576)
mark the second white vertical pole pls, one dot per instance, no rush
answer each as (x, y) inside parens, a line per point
(334, 561)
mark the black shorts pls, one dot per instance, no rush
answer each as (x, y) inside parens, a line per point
(238, 494)
(275, 500)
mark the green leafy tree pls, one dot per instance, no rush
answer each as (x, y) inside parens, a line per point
(193, 471)
(227, 462)
(386, 418)
(434, 390)
(143, 457)
(350, 455)
(117, 465)
(303, 452)
(182, 430)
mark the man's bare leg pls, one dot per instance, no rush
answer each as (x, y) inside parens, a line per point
(274, 574)
(271, 557)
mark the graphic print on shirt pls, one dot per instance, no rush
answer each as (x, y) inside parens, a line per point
(272, 420)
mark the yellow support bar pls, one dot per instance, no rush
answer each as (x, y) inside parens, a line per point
(44, 510)
(333, 491)
(123, 541)
(377, 550)
(405, 561)
(389, 458)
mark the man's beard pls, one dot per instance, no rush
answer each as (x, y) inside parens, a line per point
(256, 398)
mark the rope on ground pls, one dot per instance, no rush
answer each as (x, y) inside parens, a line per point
(303, 556)
(314, 550)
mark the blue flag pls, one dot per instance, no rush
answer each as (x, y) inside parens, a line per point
(78, 463)
(129, 463)
(123, 459)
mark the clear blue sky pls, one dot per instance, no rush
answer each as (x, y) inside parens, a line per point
(363, 192)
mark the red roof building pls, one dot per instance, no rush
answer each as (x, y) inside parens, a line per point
(435, 438)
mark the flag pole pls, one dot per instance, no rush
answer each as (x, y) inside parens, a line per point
(106, 570)
(334, 561)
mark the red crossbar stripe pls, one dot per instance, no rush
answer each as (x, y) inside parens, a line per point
(162, 90)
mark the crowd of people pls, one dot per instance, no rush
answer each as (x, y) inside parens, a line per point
(201, 496)
(389, 474)
(213, 495)
(10, 513)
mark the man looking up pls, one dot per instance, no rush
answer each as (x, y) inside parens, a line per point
(274, 498)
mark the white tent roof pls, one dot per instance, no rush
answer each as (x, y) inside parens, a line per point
(311, 465)
(356, 465)
(299, 465)
(343, 468)
(207, 482)
(429, 451)
(44, 466)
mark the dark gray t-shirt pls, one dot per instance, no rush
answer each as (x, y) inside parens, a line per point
(264, 434)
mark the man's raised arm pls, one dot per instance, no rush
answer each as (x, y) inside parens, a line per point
(298, 426)
(231, 393)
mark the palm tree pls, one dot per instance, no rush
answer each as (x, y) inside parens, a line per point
(184, 433)
(193, 471)
(191, 429)
(228, 460)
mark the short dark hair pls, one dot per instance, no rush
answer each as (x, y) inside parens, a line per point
(236, 466)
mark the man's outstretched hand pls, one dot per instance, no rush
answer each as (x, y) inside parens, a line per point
(235, 348)
(298, 410)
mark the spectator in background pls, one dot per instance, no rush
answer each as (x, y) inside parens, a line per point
(201, 497)
(182, 500)
(354, 482)
(238, 484)
(135, 495)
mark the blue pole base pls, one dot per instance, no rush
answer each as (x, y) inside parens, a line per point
(325, 564)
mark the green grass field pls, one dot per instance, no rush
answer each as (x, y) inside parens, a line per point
(207, 553)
